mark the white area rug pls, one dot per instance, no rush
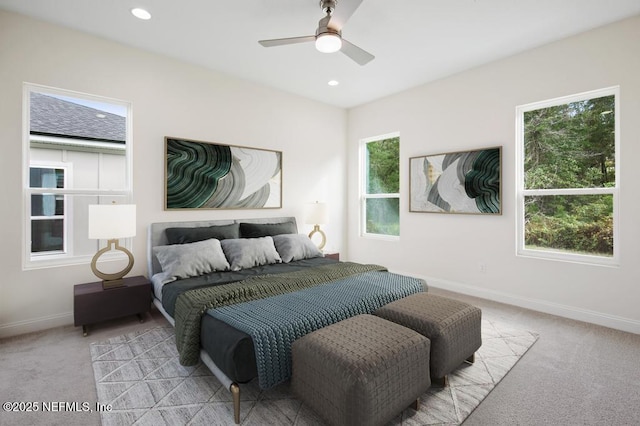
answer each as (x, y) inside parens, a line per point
(140, 376)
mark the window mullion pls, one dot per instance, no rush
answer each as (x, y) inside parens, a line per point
(77, 192)
(569, 191)
(395, 195)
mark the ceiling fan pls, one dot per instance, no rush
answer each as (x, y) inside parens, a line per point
(328, 37)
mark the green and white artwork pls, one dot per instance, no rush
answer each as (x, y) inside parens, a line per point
(457, 182)
(203, 175)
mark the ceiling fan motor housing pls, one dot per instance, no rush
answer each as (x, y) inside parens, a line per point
(327, 30)
(328, 6)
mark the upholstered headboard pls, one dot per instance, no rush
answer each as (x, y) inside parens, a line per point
(156, 235)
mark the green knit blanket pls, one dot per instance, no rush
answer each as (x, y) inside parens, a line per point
(193, 304)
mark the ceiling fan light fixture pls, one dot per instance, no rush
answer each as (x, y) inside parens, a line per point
(328, 42)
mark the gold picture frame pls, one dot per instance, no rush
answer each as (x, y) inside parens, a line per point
(207, 175)
(464, 182)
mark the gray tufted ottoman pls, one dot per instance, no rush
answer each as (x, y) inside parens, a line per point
(452, 326)
(360, 371)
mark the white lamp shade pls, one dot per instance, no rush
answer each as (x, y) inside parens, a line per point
(316, 213)
(112, 221)
(328, 43)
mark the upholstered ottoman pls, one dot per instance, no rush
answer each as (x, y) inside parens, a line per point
(453, 327)
(360, 371)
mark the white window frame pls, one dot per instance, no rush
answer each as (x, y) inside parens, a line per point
(364, 196)
(521, 192)
(67, 257)
(68, 206)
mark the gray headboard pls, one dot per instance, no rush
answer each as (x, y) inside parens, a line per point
(156, 235)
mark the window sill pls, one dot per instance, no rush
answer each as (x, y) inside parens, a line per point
(381, 237)
(46, 262)
(610, 262)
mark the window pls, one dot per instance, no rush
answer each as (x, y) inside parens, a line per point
(380, 201)
(76, 152)
(47, 211)
(568, 183)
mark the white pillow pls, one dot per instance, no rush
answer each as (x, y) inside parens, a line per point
(249, 252)
(193, 259)
(295, 247)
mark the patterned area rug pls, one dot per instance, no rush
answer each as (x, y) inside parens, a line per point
(140, 376)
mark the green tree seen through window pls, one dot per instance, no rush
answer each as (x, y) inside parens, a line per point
(382, 186)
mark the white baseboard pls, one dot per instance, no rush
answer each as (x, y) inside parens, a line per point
(35, 324)
(572, 312)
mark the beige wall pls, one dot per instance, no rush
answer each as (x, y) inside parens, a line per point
(169, 98)
(476, 109)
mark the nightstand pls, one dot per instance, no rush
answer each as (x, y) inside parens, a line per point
(92, 303)
(334, 256)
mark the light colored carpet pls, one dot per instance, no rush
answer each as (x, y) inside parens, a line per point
(139, 375)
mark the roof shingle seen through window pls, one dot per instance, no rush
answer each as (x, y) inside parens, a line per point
(56, 117)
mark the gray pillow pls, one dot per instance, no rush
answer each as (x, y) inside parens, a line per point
(192, 259)
(295, 247)
(245, 253)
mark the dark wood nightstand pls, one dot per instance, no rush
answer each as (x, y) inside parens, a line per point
(92, 303)
(334, 256)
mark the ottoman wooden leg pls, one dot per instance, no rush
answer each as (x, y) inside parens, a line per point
(415, 405)
(472, 358)
(440, 381)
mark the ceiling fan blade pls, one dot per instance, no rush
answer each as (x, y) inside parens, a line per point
(283, 41)
(342, 13)
(362, 57)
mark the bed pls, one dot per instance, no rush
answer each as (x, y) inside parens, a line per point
(239, 292)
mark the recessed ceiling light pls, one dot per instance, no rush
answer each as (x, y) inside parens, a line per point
(141, 14)
(333, 82)
(101, 115)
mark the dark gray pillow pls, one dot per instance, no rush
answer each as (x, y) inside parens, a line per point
(192, 259)
(295, 247)
(192, 235)
(245, 253)
(257, 230)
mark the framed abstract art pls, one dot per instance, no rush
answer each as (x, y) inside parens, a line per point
(466, 182)
(206, 175)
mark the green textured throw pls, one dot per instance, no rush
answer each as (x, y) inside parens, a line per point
(193, 304)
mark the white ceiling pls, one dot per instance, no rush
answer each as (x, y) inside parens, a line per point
(414, 41)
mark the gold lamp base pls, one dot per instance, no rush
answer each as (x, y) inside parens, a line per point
(107, 284)
(316, 229)
(113, 280)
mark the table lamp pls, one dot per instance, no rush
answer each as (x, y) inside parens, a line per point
(111, 222)
(315, 215)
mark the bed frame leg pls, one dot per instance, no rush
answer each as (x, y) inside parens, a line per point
(235, 392)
